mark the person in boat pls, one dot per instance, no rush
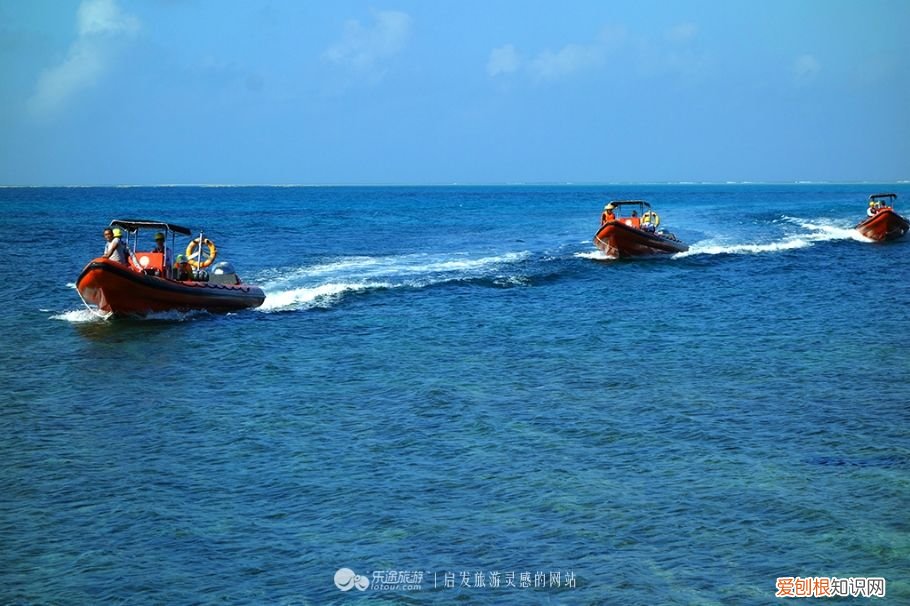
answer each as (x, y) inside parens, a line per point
(159, 243)
(649, 221)
(116, 249)
(182, 269)
(162, 249)
(607, 214)
(873, 207)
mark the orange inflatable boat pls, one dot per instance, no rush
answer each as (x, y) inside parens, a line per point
(630, 228)
(882, 222)
(149, 282)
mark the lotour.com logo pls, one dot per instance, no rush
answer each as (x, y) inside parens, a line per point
(346, 579)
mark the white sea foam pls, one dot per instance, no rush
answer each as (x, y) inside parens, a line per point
(77, 316)
(385, 267)
(326, 283)
(307, 297)
(509, 281)
(430, 264)
(812, 232)
(466, 264)
(343, 264)
(596, 255)
(707, 248)
(823, 229)
(84, 315)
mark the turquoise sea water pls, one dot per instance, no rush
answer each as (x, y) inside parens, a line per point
(451, 382)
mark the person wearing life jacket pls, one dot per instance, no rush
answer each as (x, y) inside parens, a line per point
(182, 269)
(116, 249)
(607, 214)
(649, 221)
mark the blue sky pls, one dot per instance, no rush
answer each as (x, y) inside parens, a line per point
(460, 91)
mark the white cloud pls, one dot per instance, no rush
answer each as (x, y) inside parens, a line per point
(364, 48)
(104, 17)
(613, 51)
(98, 22)
(682, 32)
(805, 68)
(552, 65)
(503, 60)
(569, 59)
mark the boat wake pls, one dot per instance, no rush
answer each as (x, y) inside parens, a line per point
(76, 316)
(809, 233)
(823, 230)
(319, 296)
(86, 316)
(324, 284)
(595, 255)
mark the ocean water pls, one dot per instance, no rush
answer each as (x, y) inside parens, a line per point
(449, 387)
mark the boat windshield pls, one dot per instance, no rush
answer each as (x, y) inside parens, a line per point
(625, 208)
(879, 200)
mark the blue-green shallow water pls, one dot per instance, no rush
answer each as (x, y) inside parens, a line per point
(452, 380)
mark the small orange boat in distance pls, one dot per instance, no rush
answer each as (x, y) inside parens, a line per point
(882, 222)
(149, 283)
(630, 228)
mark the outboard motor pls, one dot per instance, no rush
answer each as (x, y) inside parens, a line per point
(223, 273)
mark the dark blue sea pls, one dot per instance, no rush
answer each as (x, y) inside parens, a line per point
(449, 396)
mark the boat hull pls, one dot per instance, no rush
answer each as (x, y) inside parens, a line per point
(115, 289)
(883, 226)
(620, 241)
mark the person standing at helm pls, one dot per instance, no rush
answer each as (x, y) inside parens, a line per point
(161, 247)
(607, 214)
(116, 249)
(159, 243)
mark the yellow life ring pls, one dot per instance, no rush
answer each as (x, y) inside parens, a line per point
(650, 218)
(206, 261)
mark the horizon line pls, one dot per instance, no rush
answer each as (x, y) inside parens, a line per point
(450, 184)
